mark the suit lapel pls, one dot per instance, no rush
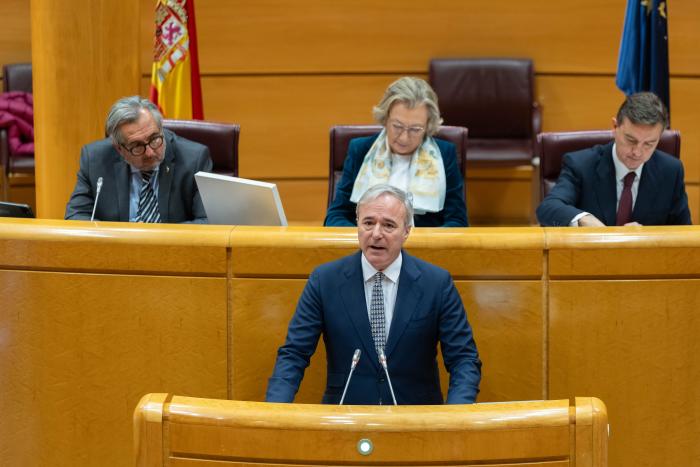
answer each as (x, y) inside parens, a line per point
(352, 294)
(122, 182)
(165, 180)
(407, 299)
(605, 187)
(645, 192)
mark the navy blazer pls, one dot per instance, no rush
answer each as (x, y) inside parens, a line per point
(454, 214)
(587, 183)
(428, 311)
(178, 196)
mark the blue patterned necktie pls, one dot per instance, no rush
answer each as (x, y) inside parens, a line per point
(148, 203)
(377, 318)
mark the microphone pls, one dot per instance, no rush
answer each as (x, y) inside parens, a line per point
(353, 364)
(97, 196)
(382, 361)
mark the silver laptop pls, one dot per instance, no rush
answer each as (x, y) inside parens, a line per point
(239, 201)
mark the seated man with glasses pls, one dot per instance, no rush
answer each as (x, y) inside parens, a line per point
(405, 155)
(144, 173)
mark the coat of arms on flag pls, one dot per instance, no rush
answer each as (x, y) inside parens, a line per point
(175, 85)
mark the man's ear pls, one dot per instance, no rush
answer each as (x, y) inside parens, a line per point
(614, 122)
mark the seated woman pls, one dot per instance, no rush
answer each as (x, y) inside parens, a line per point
(406, 155)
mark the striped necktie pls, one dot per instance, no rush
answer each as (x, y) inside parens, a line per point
(148, 203)
(377, 318)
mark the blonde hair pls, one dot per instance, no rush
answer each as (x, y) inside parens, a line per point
(412, 92)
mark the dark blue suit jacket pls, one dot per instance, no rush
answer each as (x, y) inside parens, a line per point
(454, 214)
(178, 196)
(587, 183)
(428, 311)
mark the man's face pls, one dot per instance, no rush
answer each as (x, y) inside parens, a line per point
(635, 143)
(141, 132)
(382, 230)
(405, 128)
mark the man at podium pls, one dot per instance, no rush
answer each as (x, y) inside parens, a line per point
(391, 306)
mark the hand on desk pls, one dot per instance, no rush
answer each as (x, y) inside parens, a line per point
(589, 220)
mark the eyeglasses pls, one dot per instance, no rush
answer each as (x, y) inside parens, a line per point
(411, 131)
(139, 149)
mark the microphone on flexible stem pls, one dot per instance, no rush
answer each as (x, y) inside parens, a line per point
(353, 364)
(382, 361)
(97, 196)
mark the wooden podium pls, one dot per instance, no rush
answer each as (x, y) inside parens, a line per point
(184, 431)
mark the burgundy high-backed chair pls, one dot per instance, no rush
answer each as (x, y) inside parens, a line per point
(15, 77)
(220, 138)
(342, 134)
(495, 99)
(552, 146)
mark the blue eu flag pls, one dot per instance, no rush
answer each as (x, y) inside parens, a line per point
(643, 62)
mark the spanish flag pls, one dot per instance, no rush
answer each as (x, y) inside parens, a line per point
(175, 85)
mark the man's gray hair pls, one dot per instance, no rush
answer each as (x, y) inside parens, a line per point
(384, 189)
(128, 110)
(412, 92)
(643, 108)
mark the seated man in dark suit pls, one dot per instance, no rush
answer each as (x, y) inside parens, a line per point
(381, 300)
(146, 171)
(625, 182)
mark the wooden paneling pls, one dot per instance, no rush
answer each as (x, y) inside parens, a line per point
(305, 200)
(262, 310)
(507, 320)
(633, 344)
(285, 120)
(79, 350)
(683, 36)
(621, 252)
(693, 191)
(316, 36)
(484, 253)
(685, 115)
(287, 251)
(365, 36)
(577, 102)
(108, 246)
(15, 44)
(500, 196)
(77, 76)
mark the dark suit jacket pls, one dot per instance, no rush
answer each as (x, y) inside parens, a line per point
(587, 183)
(454, 214)
(428, 311)
(178, 196)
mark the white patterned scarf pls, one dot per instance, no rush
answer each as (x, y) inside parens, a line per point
(427, 183)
